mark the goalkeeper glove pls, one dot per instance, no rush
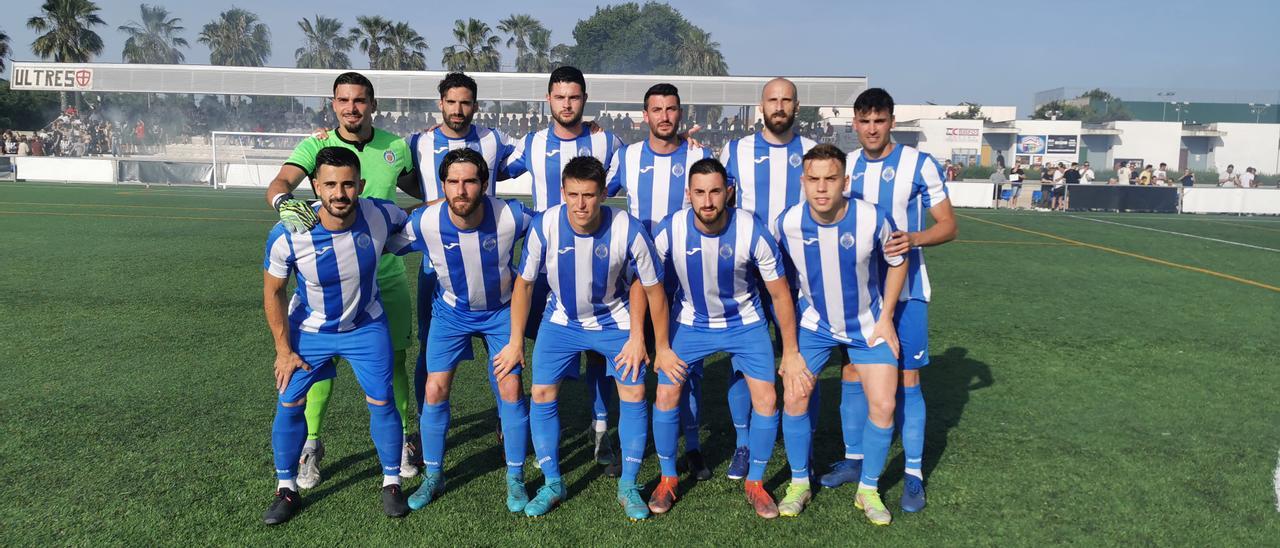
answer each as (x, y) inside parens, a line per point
(295, 214)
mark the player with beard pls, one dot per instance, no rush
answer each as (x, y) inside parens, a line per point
(543, 154)
(764, 169)
(335, 312)
(385, 166)
(470, 240)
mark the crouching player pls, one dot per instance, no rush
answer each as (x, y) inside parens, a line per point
(835, 246)
(336, 311)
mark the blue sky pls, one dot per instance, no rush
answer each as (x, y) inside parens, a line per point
(994, 52)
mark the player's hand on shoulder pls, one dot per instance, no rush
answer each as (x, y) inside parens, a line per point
(321, 133)
(688, 136)
(296, 214)
(286, 364)
(671, 365)
(899, 243)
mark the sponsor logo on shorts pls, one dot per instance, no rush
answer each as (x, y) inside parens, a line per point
(918, 355)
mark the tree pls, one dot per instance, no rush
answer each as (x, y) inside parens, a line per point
(632, 39)
(521, 29)
(4, 49)
(541, 57)
(1104, 107)
(370, 33)
(972, 111)
(326, 44)
(237, 38)
(476, 50)
(155, 39)
(404, 49)
(698, 55)
(68, 36)
(26, 109)
(1060, 110)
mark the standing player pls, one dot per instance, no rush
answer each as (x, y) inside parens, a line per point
(905, 183)
(654, 173)
(714, 252)
(386, 165)
(591, 254)
(543, 154)
(765, 168)
(335, 311)
(470, 239)
(836, 246)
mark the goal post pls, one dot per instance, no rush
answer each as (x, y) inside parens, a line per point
(249, 159)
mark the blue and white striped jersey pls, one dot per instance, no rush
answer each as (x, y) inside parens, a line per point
(590, 275)
(837, 268)
(717, 272)
(474, 266)
(905, 184)
(767, 176)
(655, 183)
(429, 149)
(544, 156)
(336, 272)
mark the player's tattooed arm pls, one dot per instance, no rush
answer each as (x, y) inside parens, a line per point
(274, 304)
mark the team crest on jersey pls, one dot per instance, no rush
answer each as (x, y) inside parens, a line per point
(794, 160)
(887, 174)
(389, 156)
(602, 251)
(846, 240)
(726, 251)
(364, 240)
(677, 170)
(474, 146)
(489, 244)
(584, 151)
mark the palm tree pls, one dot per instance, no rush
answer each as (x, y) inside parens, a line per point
(326, 45)
(4, 49)
(476, 50)
(404, 51)
(541, 56)
(68, 37)
(697, 55)
(520, 27)
(369, 34)
(155, 40)
(237, 38)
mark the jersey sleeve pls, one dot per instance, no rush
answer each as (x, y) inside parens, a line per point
(617, 180)
(522, 214)
(929, 182)
(884, 230)
(642, 256)
(404, 158)
(613, 164)
(766, 254)
(506, 148)
(726, 159)
(534, 252)
(278, 259)
(517, 163)
(407, 239)
(304, 155)
(662, 241)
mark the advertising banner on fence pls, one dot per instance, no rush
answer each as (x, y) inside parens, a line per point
(52, 79)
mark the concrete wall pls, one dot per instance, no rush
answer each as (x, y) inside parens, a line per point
(947, 138)
(82, 170)
(1154, 142)
(1245, 145)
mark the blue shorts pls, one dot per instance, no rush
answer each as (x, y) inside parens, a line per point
(816, 349)
(367, 348)
(555, 352)
(911, 318)
(428, 281)
(450, 340)
(751, 353)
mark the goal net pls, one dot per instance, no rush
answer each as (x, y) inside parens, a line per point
(247, 159)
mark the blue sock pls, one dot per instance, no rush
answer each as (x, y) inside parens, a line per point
(876, 441)
(544, 425)
(740, 408)
(853, 416)
(633, 433)
(690, 412)
(913, 429)
(764, 430)
(433, 424)
(388, 435)
(515, 433)
(420, 378)
(815, 406)
(797, 439)
(600, 389)
(666, 426)
(288, 434)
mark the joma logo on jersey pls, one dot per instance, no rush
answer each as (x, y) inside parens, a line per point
(690, 252)
(761, 159)
(809, 241)
(564, 250)
(453, 245)
(441, 149)
(323, 250)
(646, 169)
(551, 153)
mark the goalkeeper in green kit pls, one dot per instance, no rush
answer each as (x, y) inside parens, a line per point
(385, 165)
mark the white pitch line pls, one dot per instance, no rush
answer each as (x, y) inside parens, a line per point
(1277, 482)
(1251, 246)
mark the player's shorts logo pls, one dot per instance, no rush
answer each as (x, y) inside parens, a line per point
(389, 156)
(602, 251)
(794, 160)
(887, 174)
(489, 244)
(726, 251)
(677, 170)
(364, 240)
(846, 240)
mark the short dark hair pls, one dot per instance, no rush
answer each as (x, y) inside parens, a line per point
(663, 89)
(584, 168)
(353, 78)
(457, 80)
(707, 166)
(826, 151)
(567, 74)
(338, 157)
(873, 100)
(464, 156)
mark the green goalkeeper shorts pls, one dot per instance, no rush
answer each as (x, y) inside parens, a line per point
(399, 309)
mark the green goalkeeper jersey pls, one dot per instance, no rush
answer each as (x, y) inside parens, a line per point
(383, 158)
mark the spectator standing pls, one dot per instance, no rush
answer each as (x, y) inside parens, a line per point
(1230, 177)
(1123, 174)
(1188, 178)
(1086, 175)
(24, 149)
(1015, 186)
(1046, 184)
(1059, 186)
(1161, 175)
(1144, 178)
(1247, 178)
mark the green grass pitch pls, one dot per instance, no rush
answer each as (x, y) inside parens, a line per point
(1091, 384)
